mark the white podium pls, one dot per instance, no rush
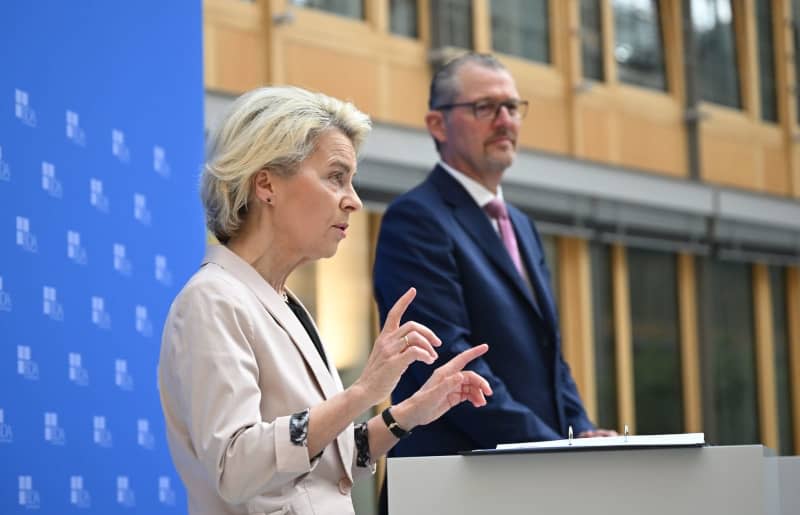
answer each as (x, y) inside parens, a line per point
(730, 480)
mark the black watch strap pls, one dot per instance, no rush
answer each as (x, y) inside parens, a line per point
(391, 423)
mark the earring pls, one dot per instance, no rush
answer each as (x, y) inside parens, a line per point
(268, 200)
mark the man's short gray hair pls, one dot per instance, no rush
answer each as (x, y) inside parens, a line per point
(444, 84)
(274, 128)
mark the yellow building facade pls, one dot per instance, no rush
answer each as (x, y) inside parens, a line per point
(671, 219)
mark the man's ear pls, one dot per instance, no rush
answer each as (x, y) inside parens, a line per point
(263, 185)
(436, 125)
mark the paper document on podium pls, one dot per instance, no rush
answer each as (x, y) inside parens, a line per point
(673, 440)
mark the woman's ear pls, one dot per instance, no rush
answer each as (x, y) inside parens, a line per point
(263, 187)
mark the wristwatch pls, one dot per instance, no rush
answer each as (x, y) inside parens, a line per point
(391, 423)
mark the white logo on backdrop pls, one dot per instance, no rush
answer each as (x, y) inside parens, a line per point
(74, 132)
(166, 495)
(5, 298)
(75, 252)
(26, 367)
(100, 317)
(118, 147)
(6, 433)
(50, 182)
(5, 170)
(122, 264)
(52, 432)
(78, 495)
(163, 275)
(122, 378)
(125, 494)
(140, 211)
(144, 437)
(50, 305)
(101, 435)
(143, 324)
(160, 163)
(96, 196)
(22, 108)
(28, 497)
(25, 238)
(77, 374)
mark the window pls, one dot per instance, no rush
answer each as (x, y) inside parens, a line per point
(652, 280)
(715, 41)
(403, 18)
(604, 346)
(766, 61)
(592, 40)
(796, 34)
(638, 45)
(783, 384)
(451, 23)
(348, 8)
(520, 28)
(727, 360)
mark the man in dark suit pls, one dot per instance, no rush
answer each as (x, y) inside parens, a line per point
(479, 269)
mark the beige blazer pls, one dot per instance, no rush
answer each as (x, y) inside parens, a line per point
(235, 365)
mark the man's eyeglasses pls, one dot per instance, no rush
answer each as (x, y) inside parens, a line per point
(489, 109)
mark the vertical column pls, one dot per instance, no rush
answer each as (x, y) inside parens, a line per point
(376, 13)
(765, 357)
(690, 363)
(622, 335)
(424, 22)
(571, 66)
(575, 310)
(481, 26)
(793, 317)
(271, 11)
(746, 49)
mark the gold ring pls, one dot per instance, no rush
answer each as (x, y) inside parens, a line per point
(405, 342)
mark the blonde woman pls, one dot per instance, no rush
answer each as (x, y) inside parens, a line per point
(257, 419)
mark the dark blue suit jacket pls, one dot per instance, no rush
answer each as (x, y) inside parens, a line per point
(438, 240)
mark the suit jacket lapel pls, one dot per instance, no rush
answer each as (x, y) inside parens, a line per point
(477, 225)
(280, 312)
(531, 255)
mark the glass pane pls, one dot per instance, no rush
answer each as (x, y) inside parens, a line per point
(796, 34)
(604, 350)
(727, 361)
(638, 45)
(652, 279)
(520, 27)
(451, 23)
(550, 244)
(766, 61)
(783, 384)
(592, 40)
(349, 8)
(403, 17)
(717, 70)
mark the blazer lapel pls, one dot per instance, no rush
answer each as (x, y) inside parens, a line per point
(531, 255)
(280, 312)
(475, 222)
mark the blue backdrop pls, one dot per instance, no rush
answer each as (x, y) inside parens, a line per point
(101, 141)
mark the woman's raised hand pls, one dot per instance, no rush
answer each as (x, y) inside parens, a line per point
(448, 386)
(395, 349)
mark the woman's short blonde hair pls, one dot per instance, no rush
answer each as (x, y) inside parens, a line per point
(274, 128)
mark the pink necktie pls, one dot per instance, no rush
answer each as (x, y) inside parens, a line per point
(497, 210)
